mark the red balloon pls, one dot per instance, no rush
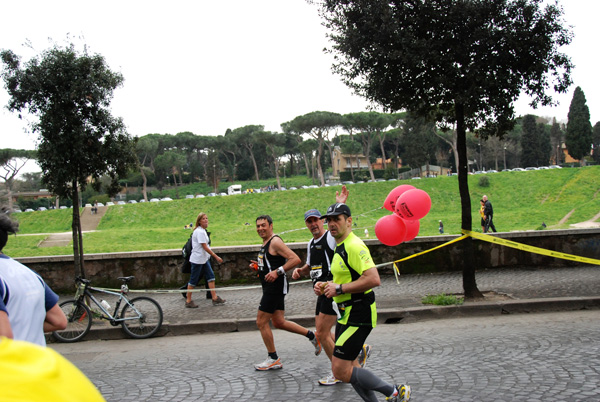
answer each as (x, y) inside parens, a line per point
(390, 200)
(412, 229)
(413, 204)
(390, 230)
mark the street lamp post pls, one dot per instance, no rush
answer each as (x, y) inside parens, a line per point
(558, 154)
(480, 157)
(505, 157)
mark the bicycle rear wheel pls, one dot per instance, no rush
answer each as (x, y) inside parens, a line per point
(79, 321)
(144, 319)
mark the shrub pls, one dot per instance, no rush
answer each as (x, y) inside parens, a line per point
(442, 300)
(484, 181)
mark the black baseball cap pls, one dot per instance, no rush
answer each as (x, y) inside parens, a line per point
(337, 209)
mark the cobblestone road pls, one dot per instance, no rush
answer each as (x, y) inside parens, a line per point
(518, 284)
(525, 357)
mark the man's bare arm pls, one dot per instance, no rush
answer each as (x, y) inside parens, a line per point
(55, 319)
(5, 328)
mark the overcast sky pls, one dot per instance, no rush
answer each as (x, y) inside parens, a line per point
(206, 66)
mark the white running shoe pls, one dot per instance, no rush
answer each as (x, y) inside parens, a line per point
(269, 364)
(329, 380)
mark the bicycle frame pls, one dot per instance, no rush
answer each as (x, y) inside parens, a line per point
(84, 290)
(140, 317)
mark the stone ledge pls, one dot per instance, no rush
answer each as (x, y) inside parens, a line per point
(385, 316)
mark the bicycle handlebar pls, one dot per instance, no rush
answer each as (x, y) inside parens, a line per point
(125, 279)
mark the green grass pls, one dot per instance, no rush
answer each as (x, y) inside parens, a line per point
(51, 221)
(521, 200)
(442, 300)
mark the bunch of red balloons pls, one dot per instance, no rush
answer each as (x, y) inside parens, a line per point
(408, 204)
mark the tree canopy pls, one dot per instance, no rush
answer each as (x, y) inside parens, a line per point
(535, 142)
(579, 135)
(319, 126)
(79, 140)
(456, 62)
(11, 162)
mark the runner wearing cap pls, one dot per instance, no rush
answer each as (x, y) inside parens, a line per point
(319, 254)
(354, 277)
(274, 259)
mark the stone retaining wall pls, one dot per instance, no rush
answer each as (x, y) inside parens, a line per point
(160, 269)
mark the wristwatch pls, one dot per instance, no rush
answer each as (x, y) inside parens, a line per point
(280, 271)
(338, 290)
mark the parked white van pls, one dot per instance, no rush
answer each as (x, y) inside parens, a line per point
(234, 189)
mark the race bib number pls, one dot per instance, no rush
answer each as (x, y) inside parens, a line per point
(316, 271)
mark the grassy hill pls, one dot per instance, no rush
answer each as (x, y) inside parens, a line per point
(521, 200)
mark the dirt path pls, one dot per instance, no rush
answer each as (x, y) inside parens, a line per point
(89, 222)
(591, 223)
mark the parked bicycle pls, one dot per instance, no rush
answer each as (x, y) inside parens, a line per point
(140, 317)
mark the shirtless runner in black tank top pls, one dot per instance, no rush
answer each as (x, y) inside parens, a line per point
(274, 260)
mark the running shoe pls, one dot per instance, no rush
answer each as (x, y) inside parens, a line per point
(329, 380)
(269, 364)
(218, 301)
(401, 393)
(191, 304)
(363, 355)
(317, 345)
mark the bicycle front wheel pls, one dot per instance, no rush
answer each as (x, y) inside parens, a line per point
(142, 318)
(79, 321)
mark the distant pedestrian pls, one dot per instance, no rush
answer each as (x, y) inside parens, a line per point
(482, 214)
(441, 228)
(200, 260)
(367, 232)
(488, 213)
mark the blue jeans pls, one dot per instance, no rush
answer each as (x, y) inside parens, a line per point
(199, 270)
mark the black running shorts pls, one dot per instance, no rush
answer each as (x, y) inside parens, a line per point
(271, 302)
(324, 306)
(349, 340)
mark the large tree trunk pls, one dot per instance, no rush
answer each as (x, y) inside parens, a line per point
(468, 250)
(77, 237)
(144, 184)
(452, 145)
(254, 164)
(381, 141)
(277, 173)
(308, 172)
(367, 150)
(9, 195)
(319, 168)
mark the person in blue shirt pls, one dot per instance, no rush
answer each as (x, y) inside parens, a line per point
(28, 307)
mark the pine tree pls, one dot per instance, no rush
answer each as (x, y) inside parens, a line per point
(544, 148)
(556, 135)
(529, 142)
(579, 129)
(596, 142)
